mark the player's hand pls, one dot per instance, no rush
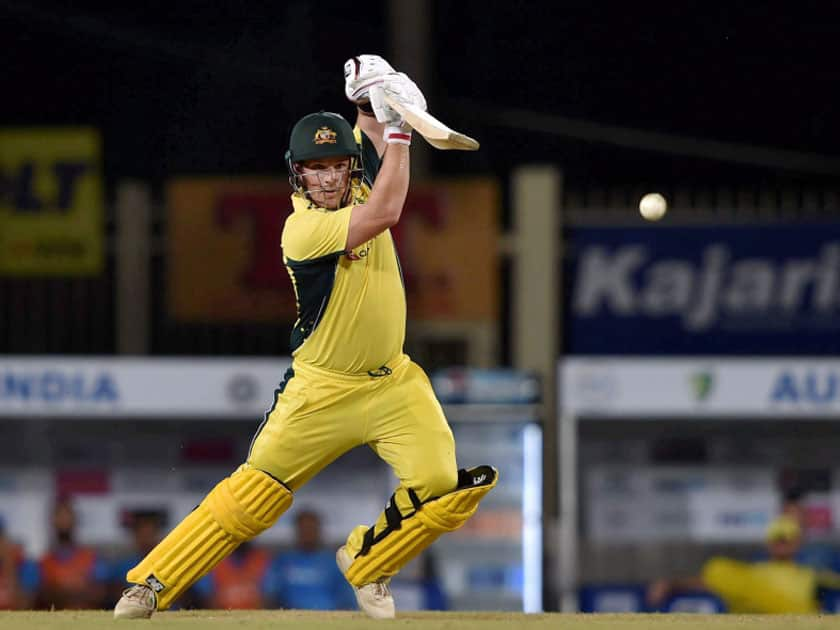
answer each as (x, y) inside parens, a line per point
(384, 113)
(360, 73)
(400, 88)
(396, 130)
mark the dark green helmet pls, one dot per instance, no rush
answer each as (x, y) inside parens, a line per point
(321, 135)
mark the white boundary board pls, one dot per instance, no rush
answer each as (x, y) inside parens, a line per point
(705, 387)
(119, 387)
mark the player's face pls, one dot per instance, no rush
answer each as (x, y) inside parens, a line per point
(308, 531)
(783, 550)
(64, 522)
(326, 180)
(146, 535)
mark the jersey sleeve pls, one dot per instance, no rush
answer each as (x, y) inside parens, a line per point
(29, 576)
(101, 570)
(315, 234)
(274, 582)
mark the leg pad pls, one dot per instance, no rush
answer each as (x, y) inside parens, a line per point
(237, 509)
(407, 532)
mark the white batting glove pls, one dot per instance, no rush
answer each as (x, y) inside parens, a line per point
(381, 109)
(362, 71)
(396, 131)
(400, 88)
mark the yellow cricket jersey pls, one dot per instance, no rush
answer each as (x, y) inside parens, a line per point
(767, 587)
(351, 305)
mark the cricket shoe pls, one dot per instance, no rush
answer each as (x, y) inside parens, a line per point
(137, 602)
(374, 598)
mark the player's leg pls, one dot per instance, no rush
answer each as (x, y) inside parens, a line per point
(237, 509)
(298, 437)
(433, 497)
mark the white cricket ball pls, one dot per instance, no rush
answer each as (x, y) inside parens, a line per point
(653, 206)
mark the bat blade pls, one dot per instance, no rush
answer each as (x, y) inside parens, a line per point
(434, 131)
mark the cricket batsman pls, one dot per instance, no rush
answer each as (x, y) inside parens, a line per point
(350, 382)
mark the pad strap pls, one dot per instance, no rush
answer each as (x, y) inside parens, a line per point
(393, 517)
(384, 553)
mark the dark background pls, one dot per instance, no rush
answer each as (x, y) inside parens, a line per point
(190, 87)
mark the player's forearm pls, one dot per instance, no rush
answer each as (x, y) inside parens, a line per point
(391, 187)
(373, 129)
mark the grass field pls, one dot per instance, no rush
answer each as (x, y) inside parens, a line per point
(284, 620)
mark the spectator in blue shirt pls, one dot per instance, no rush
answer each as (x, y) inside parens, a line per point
(306, 576)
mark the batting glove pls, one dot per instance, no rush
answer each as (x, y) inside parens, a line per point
(383, 112)
(396, 130)
(360, 73)
(400, 88)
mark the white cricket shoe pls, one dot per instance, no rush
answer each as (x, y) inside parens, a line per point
(137, 602)
(374, 598)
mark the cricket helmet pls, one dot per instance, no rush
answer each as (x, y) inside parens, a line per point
(321, 135)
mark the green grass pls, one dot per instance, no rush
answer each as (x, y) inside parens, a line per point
(284, 620)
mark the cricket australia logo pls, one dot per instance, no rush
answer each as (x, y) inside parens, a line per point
(325, 135)
(702, 385)
(155, 584)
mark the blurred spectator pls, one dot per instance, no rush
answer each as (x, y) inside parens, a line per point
(18, 576)
(815, 554)
(307, 576)
(238, 582)
(417, 586)
(777, 585)
(146, 529)
(71, 576)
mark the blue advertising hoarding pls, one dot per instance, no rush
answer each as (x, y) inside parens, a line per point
(749, 290)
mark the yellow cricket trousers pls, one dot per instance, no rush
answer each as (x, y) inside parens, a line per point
(320, 415)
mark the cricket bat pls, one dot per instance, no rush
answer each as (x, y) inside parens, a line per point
(435, 132)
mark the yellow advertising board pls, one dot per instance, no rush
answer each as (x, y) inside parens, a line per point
(225, 263)
(51, 212)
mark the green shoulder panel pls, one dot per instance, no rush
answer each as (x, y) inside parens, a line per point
(313, 280)
(370, 159)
